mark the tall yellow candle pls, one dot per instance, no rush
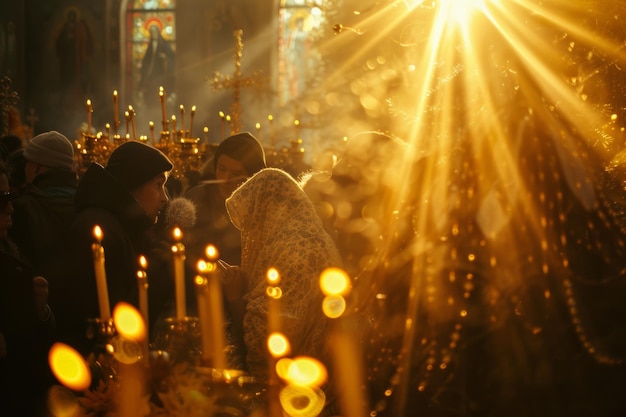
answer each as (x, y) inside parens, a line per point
(182, 118)
(178, 251)
(274, 293)
(217, 309)
(163, 116)
(89, 111)
(142, 283)
(193, 112)
(100, 272)
(202, 294)
(116, 119)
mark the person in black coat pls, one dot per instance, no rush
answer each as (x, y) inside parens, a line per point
(26, 324)
(124, 199)
(46, 207)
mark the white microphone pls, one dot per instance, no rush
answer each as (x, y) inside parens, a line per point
(180, 212)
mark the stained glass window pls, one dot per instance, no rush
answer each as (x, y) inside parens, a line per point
(300, 23)
(150, 48)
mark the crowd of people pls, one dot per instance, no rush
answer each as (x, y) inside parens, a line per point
(417, 353)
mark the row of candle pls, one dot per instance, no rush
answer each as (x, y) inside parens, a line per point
(208, 291)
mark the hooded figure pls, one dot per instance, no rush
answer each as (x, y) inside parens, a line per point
(236, 158)
(279, 229)
(124, 199)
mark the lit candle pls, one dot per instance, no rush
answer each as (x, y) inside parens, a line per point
(173, 123)
(162, 98)
(142, 282)
(270, 119)
(100, 272)
(116, 120)
(131, 111)
(258, 131)
(182, 119)
(178, 251)
(193, 112)
(202, 294)
(223, 117)
(127, 117)
(229, 120)
(151, 124)
(206, 134)
(89, 110)
(108, 130)
(274, 293)
(217, 309)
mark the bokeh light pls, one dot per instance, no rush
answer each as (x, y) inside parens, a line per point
(69, 367)
(334, 281)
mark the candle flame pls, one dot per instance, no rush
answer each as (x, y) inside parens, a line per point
(69, 367)
(278, 345)
(273, 277)
(334, 281)
(128, 322)
(97, 233)
(211, 252)
(199, 280)
(221, 113)
(193, 109)
(202, 266)
(306, 371)
(89, 104)
(177, 233)
(143, 262)
(270, 117)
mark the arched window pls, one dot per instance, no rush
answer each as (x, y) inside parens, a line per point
(149, 50)
(300, 23)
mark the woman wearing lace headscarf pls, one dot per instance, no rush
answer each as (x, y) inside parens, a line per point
(279, 229)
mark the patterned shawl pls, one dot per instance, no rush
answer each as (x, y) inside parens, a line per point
(280, 229)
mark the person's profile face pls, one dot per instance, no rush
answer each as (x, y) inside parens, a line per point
(152, 196)
(232, 172)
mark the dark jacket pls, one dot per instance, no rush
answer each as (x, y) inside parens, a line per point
(100, 200)
(24, 371)
(42, 214)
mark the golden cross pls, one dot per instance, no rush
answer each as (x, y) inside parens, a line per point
(236, 82)
(8, 99)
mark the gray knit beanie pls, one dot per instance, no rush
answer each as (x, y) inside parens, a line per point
(50, 149)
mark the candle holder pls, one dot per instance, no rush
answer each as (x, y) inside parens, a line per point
(233, 390)
(100, 331)
(180, 338)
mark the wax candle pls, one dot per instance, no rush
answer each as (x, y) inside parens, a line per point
(274, 293)
(223, 118)
(151, 125)
(178, 251)
(182, 119)
(116, 120)
(193, 112)
(202, 294)
(174, 123)
(89, 110)
(162, 98)
(100, 272)
(217, 309)
(142, 282)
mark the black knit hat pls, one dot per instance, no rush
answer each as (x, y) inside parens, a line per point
(244, 148)
(134, 163)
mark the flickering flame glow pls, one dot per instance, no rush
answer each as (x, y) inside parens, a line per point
(143, 262)
(128, 322)
(306, 371)
(334, 281)
(273, 277)
(302, 401)
(69, 367)
(278, 345)
(177, 234)
(211, 252)
(334, 306)
(97, 233)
